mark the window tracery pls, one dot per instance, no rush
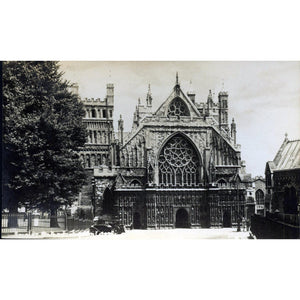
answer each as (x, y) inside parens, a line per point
(178, 163)
(178, 108)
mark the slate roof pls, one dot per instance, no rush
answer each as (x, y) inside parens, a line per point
(288, 156)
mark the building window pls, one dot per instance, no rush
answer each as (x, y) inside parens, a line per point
(93, 113)
(88, 161)
(222, 183)
(178, 108)
(179, 163)
(259, 195)
(104, 113)
(110, 113)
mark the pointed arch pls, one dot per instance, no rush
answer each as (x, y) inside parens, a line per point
(179, 162)
(135, 182)
(222, 182)
(260, 197)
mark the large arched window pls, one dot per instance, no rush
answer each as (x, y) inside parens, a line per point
(178, 163)
(259, 195)
(178, 108)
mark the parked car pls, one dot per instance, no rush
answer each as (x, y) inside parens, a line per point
(100, 228)
(103, 224)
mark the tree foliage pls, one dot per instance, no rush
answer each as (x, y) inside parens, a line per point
(42, 133)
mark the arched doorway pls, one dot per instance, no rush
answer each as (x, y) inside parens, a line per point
(108, 203)
(137, 221)
(226, 219)
(182, 219)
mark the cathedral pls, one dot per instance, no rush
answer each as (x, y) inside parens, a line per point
(179, 167)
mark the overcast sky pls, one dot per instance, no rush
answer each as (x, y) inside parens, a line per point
(264, 97)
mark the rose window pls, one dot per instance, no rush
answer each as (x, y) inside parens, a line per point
(178, 108)
(178, 163)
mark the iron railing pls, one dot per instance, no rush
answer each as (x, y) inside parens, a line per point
(32, 223)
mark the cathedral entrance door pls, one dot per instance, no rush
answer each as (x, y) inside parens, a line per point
(226, 219)
(137, 221)
(182, 219)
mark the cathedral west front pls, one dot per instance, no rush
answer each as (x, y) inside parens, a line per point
(179, 167)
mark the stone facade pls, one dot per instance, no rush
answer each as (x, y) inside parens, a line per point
(260, 194)
(179, 166)
(98, 152)
(283, 179)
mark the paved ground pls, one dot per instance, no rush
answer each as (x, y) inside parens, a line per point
(171, 234)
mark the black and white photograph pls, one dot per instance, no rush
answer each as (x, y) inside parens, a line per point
(159, 149)
(150, 150)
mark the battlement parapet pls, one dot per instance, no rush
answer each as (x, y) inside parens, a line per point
(92, 100)
(223, 93)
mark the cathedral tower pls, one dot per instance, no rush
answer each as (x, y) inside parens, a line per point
(223, 111)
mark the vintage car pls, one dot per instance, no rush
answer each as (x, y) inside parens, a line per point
(104, 224)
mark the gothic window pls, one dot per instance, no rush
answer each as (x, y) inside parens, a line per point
(259, 195)
(99, 160)
(95, 136)
(178, 163)
(104, 159)
(91, 136)
(93, 160)
(136, 156)
(222, 183)
(104, 113)
(88, 161)
(93, 113)
(178, 108)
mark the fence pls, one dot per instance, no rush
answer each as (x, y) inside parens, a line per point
(29, 223)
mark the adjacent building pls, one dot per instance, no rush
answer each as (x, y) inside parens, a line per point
(283, 178)
(283, 195)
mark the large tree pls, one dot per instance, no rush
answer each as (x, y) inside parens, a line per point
(42, 133)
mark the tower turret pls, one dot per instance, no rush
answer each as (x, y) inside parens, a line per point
(120, 129)
(233, 131)
(209, 103)
(136, 116)
(223, 110)
(191, 93)
(149, 97)
(110, 93)
(177, 85)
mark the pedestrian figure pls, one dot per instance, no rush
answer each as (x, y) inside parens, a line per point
(244, 224)
(248, 224)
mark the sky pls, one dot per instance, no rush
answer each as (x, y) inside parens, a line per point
(264, 96)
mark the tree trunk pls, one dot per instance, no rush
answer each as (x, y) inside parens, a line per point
(53, 218)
